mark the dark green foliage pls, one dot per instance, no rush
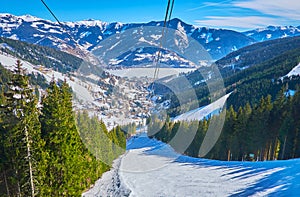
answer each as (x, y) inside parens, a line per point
(20, 138)
(38, 80)
(74, 164)
(268, 131)
(263, 78)
(105, 146)
(129, 129)
(256, 54)
(41, 152)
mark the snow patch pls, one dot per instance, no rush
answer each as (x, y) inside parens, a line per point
(294, 72)
(14, 37)
(85, 34)
(203, 112)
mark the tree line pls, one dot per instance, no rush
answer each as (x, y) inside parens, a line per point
(263, 78)
(41, 151)
(268, 130)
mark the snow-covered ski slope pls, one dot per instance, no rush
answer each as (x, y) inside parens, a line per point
(202, 112)
(151, 168)
(294, 72)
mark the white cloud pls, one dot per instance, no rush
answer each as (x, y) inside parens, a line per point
(264, 13)
(247, 22)
(211, 4)
(289, 9)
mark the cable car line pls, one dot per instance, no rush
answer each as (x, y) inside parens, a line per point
(77, 46)
(158, 55)
(51, 13)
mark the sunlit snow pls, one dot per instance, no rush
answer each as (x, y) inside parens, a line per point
(152, 168)
(295, 71)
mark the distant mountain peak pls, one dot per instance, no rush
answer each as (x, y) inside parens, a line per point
(89, 33)
(273, 32)
(90, 23)
(30, 18)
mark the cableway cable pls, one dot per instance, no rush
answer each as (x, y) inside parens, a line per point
(80, 51)
(158, 55)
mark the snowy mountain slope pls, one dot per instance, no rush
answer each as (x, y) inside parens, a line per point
(257, 53)
(202, 112)
(152, 168)
(9, 62)
(273, 32)
(89, 33)
(92, 92)
(294, 72)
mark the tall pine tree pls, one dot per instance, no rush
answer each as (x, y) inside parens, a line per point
(20, 137)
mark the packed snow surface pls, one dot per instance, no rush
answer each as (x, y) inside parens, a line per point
(152, 168)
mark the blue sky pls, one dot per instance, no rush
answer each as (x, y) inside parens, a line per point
(233, 14)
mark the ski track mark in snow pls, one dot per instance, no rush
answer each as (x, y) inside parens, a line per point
(110, 184)
(151, 168)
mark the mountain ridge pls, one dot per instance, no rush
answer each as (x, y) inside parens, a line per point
(82, 37)
(89, 33)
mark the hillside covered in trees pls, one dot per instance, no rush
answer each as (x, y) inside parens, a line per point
(41, 151)
(265, 131)
(263, 78)
(40, 55)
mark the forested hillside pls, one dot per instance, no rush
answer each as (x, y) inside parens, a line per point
(265, 131)
(256, 54)
(42, 153)
(262, 122)
(248, 85)
(40, 55)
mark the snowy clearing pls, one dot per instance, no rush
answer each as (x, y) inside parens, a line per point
(294, 72)
(202, 112)
(152, 168)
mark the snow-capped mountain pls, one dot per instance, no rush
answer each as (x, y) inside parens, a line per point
(79, 38)
(273, 32)
(87, 34)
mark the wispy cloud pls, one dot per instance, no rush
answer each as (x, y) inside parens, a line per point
(246, 14)
(289, 9)
(211, 4)
(248, 22)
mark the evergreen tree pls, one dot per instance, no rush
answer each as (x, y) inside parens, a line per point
(21, 140)
(63, 142)
(228, 132)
